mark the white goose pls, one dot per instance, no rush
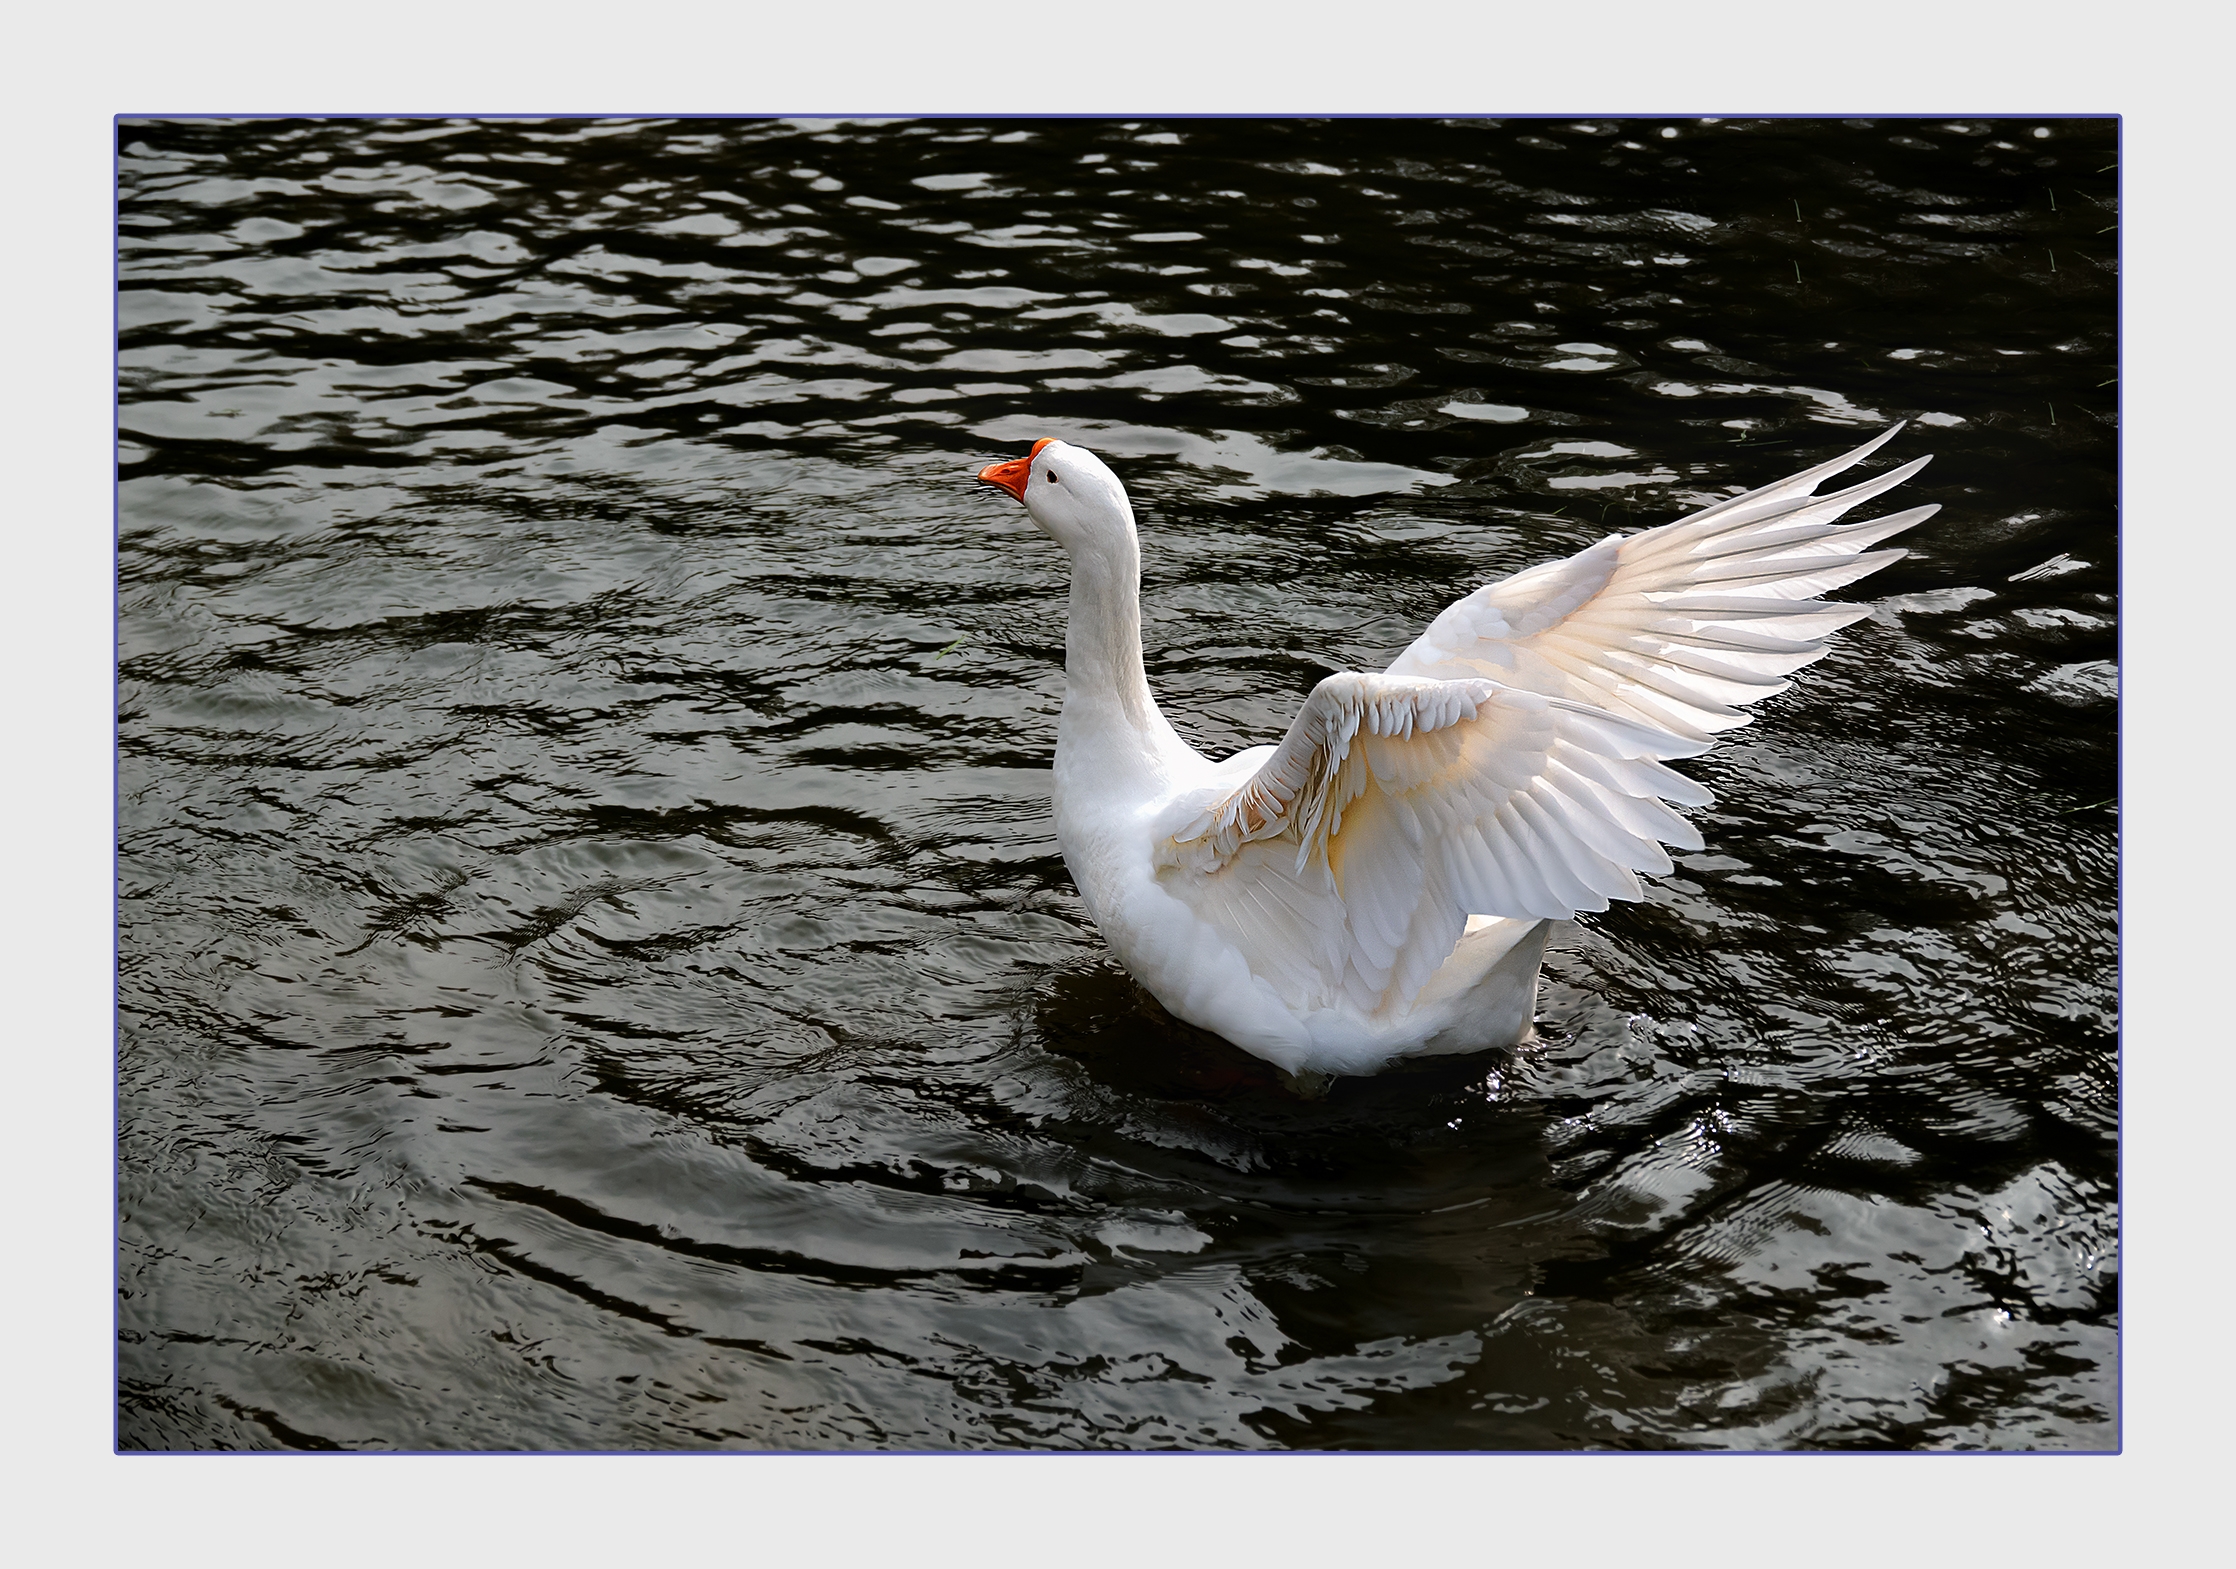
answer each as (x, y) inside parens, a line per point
(1381, 884)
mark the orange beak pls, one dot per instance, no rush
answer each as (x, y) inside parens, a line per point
(1011, 476)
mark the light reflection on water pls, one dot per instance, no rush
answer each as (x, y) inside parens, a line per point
(596, 968)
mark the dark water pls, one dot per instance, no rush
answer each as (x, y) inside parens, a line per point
(596, 969)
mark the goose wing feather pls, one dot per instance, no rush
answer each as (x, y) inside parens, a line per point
(1345, 867)
(1677, 626)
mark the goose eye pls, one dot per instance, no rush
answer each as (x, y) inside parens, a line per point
(1052, 479)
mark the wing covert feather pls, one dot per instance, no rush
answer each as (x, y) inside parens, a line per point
(1346, 867)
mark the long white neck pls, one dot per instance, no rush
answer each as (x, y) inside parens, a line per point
(1108, 711)
(1102, 648)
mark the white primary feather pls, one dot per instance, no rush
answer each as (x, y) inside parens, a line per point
(1677, 625)
(1379, 884)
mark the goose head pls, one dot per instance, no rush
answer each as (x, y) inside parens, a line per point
(1069, 494)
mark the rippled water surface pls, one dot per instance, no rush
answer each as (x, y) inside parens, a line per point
(596, 967)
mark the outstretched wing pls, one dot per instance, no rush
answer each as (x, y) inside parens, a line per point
(1346, 867)
(1675, 625)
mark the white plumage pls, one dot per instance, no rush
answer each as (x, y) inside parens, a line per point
(1380, 883)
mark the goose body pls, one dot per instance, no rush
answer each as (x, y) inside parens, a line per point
(1381, 883)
